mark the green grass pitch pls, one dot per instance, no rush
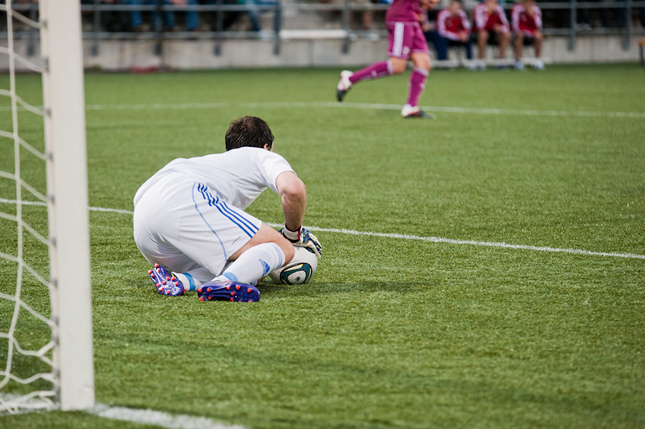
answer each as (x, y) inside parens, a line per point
(391, 332)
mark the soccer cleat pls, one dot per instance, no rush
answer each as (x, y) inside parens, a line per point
(228, 291)
(344, 84)
(538, 64)
(415, 112)
(519, 65)
(421, 114)
(165, 282)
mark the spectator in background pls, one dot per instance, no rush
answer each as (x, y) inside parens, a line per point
(366, 15)
(231, 17)
(227, 17)
(622, 14)
(113, 20)
(428, 23)
(454, 29)
(136, 18)
(367, 20)
(254, 14)
(491, 27)
(526, 22)
(586, 17)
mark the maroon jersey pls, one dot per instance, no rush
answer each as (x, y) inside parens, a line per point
(403, 11)
(450, 26)
(487, 21)
(524, 22)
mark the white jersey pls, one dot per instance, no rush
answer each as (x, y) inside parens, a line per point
(190, 215)
(238, 176)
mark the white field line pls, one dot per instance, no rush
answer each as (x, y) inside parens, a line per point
(473, 110)
(23, 404)
(479, 243)
(369, 106)
(157, 418)
(406, 237)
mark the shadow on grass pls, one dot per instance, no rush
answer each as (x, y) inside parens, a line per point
(269, 289)
(331, 288)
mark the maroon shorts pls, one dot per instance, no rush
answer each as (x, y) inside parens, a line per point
(405, 39)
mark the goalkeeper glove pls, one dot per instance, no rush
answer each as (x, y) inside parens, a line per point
(303, 238)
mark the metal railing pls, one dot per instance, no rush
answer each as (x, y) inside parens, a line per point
(554, 13)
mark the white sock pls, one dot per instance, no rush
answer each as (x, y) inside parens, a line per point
(189, 282)
(254, 264)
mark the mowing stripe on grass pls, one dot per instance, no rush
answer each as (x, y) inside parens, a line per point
(370, 106)
(406, 237)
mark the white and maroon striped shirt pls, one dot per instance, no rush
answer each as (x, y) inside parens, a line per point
(523, 22)
(450, 26)
(487, 21)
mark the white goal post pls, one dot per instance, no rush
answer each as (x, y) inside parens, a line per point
(64, 101)
(68, 356)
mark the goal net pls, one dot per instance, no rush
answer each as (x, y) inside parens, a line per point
(46, 358)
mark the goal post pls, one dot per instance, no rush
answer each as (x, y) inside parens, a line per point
(64, 101)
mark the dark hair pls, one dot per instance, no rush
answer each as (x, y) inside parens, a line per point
(248, 131)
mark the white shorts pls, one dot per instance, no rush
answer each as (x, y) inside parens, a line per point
(185, 227)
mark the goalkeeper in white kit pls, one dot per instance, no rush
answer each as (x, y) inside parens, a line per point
(190, 223)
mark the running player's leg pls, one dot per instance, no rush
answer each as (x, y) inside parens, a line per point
(398, 39)
(420, 57)
(418, 77)
(374, 71)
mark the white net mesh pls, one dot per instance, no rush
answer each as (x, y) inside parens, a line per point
(27, 379)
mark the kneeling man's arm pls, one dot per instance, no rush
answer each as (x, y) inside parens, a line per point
(294, 199)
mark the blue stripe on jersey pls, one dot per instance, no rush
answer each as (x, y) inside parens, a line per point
(244, 224)
(244, 221)
(236, 220)
(209, 226)
(203, 189)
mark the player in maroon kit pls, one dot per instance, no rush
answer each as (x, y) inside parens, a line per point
(406, 42)
(491, 25)
(453, 26)
(526, 20)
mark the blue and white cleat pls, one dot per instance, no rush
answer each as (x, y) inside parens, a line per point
(228, 291)
(165, 282)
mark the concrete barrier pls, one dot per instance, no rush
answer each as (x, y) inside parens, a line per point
(297, 50)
